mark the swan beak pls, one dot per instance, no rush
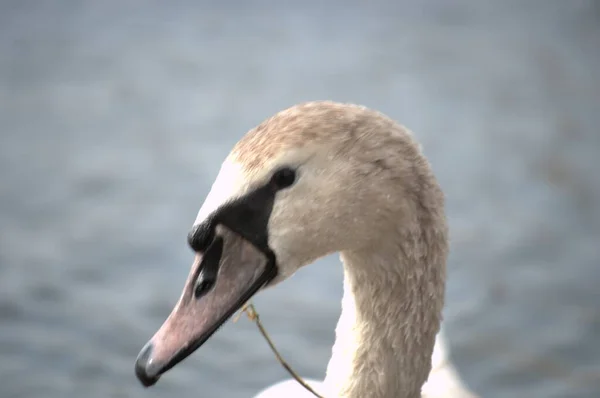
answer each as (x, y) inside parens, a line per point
(221, 281)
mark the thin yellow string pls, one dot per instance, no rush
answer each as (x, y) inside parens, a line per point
(250, 310)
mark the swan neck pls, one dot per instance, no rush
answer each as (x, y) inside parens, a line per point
(391, 312)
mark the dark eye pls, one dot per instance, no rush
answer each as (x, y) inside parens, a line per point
(283, 178)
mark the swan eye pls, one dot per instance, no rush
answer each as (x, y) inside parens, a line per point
(284, 178)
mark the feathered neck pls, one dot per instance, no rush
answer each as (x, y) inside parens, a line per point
(391, 312)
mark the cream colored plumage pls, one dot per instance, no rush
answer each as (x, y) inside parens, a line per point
(443, 381)
(364, 190)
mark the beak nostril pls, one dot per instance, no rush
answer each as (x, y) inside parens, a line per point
(210, 268)
(203, 286)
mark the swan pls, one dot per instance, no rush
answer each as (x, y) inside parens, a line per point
(314, 179)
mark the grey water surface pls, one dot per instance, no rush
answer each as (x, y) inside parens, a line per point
(116, 115)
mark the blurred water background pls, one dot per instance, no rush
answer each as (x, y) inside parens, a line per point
(116, 115)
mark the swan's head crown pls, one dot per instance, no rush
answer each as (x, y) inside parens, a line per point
(313, 179)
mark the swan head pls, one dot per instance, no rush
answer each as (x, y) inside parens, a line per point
(314, 179)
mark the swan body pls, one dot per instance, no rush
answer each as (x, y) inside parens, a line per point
(314, 179)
